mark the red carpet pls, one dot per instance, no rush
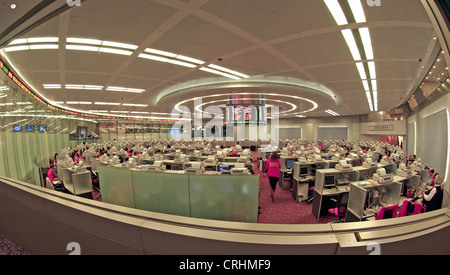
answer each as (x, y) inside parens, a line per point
(284, 210)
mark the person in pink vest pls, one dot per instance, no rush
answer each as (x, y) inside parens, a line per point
(273, 165)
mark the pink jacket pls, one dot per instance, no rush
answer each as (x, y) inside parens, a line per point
(273, 167)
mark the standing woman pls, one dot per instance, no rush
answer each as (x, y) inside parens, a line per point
(273, 172)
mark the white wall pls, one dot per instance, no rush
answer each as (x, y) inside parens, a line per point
(443, 103)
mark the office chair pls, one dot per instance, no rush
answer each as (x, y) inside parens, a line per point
(49, 184)
(387, 212)
(410, 208)
(340, 206)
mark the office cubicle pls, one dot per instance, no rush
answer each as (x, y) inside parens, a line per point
(217, 197)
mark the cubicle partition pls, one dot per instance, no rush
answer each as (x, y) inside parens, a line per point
(44, 221)
(217, 197)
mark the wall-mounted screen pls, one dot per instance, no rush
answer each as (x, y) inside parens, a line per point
(245, 114)
(30, 128)
(42, 128)
(17, 128)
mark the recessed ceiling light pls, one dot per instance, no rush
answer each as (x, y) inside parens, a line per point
(336, 11)
(351, 43)
(358, 11)
(13, 6)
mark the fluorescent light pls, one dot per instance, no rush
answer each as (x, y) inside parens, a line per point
(19, 41)
(74, 86)
(154, 57)
(134, 112)
(181, 63)
(44, 46)
(367, 42)
(122, 112)
(118, 89)
(374, 85)
(372, 71)
(52, 86)
(219, 73)
(123, 89)
(361, 70)
(84, 41)
(351, 43)
(131, 90)
(135, 105)
(82, 48)
(79, 102)
(333, 113)
(336, 11)
(4, 88)
(190, 59)
(115, 51)
(93, 87)
(227, 70)
(16, 48)
(42, 40)
(366, 85)
(155, 51)
(106, 103)
(358, 11)
(119, 45)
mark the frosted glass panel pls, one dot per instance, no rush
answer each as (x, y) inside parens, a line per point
(116, 185)
(433, 141)
(163, 193)
(225, 197)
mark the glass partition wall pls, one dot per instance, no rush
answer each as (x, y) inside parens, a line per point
(31, 133)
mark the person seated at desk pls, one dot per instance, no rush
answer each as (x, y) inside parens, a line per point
(51, 173)
(431, 177)
(433, 198)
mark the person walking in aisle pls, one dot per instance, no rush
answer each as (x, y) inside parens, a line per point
(273, 172)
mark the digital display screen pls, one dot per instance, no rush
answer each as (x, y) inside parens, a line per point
(227, 167)
(290, 163)
(175, 131)
(30, 128)
(17, 128)
(42, 128)
(245, 114)
(304, 171)
(329, 181)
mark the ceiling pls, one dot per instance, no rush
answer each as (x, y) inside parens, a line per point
(292, 54)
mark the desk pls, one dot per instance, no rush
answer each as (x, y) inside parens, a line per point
(360, 193)
(321, 191)
(285, 175)
(300, 188)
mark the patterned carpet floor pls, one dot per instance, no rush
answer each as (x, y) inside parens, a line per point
(285, 210)
(9, 248)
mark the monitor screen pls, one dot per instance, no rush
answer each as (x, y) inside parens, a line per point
(304, 171)
(245, 114)
(42, 128)
(329, 181)
(30, 128)
(290, 163)
(175, 131)
(227, 167)
(17, 128)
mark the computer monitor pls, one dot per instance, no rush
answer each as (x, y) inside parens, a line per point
(303, 171)
(329, 182)
(223, 166)
(290, 163)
